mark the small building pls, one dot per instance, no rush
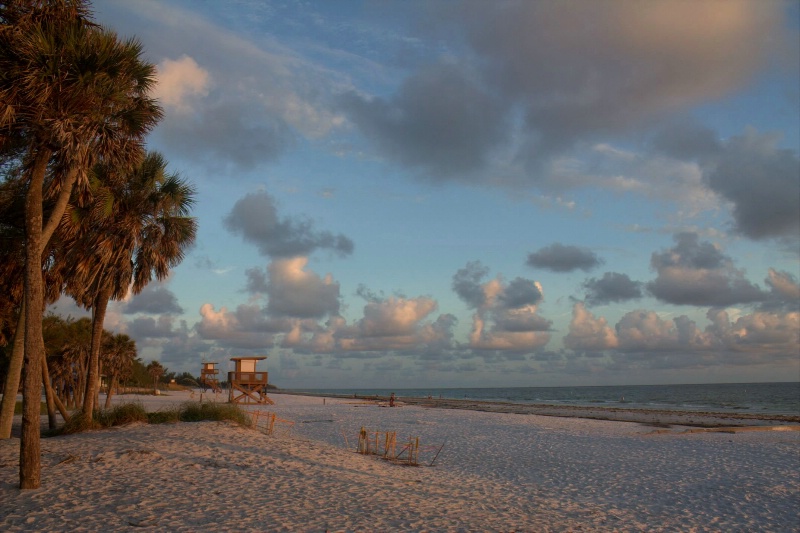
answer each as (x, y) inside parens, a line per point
(209, 377)
(247, 385)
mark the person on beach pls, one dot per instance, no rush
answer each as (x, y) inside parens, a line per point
(391, 400)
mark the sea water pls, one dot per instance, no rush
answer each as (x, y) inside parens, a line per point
(782, 398)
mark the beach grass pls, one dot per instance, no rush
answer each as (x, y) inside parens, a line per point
(128, 413)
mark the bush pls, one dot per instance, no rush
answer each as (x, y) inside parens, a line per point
(128, 413)
(78, 423)
(196, 412)
(121, 414)
(165, 416)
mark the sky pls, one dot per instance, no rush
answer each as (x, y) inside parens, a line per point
(396, 194)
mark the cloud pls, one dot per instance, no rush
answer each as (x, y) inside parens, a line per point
(784, 285)
(245, 328)
(185, 349)
(506, 318)
(586, 332)
(255, 218)
(394, 316)
(562, 258)
(749, 171)
(227, 133)
(612, 287)
(760, 180)
(180, 83)
(152, 328)
(264, 96)
(394, 324)
(544, 77)
(467, 284)
(686, 140)
(440, 120)
(294, 292)
(759, 333)
(698, 273)
(154, 299)
(642, 339)
(519, 293)
(645, 331)
(581, 69)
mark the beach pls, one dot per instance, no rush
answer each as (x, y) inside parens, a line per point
(495, 471)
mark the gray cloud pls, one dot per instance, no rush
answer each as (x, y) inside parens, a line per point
(612, 287)
(561, 258)
(257, 281)
(440, 120)
(148, 327)
(698, 273)
(519, 293)
(602, 67)
(255, 218)
(506, 323)
(234, 132)
(294, 292)
(245, 328)
(759, 179)
(247, 99)
(467, 284)
(687, 140)
(154, 299)
(762, 183)
(642, 339)
(184, 350)
(520, 322)
(689, 252)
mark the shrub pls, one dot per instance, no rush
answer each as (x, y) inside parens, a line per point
(128, 413)
(78, 423)
(122, 414)
(196, 412)
(164, 416)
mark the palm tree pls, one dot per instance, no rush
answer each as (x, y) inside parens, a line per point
(136, 228)
(72, 93)
(119, 352)
(68, 342)
(12, 268)
(155, 370)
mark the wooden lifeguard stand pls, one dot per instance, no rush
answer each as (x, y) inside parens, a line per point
(247, 385)
(208, 377)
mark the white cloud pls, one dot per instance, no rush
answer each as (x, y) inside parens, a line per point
(295, 292)
(180, 82)
(586, 332)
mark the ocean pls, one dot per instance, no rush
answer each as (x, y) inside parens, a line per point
(780, 398)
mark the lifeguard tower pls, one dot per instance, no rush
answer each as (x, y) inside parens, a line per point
(209, 377)
(247, 385)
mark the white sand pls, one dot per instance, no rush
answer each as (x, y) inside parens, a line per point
(497, 472)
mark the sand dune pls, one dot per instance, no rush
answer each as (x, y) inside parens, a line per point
(496, 472)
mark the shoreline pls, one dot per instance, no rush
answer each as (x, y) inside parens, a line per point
(652, 417)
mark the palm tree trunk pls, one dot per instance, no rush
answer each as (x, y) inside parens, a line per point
(93, 376)
(111, 385)
(14, 374)
(52, 421)
(60, 205)
(30, 445)
(13, 377)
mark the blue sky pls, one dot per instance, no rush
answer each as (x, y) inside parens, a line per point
(445, 194)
